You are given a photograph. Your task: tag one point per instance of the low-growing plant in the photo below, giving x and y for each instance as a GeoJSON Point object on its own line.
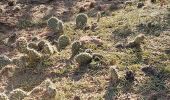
{"type": "Point", "coordinates": [83, 58]}
{"type": "Point", "coordinates": [55, 24]}
{"type": "Point", "coordinates": [63, 41]}
{"type": "Point", "coordinates": [76, 48]}
{"type": "Point", "coordinates": [81, 20]}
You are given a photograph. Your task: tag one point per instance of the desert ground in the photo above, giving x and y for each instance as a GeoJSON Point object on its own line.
{"type": "Point", "coordinates": [131, 37]}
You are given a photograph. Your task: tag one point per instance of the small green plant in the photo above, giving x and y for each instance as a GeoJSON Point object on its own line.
{"type": "Point", "coordinates": [83, 58]}
{"type": "Point", "coordinates": [81, 20]}
{"type": "Point", "coordinates": [21, 44]}
{"type": "Point", "coordinates": [55, 24]}
{"type": "Point", "coordinates": [63, 41]}
{"type": "Point", "coordinates": [76, 48]}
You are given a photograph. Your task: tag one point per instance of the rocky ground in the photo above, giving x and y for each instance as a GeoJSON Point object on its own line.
{"type": "Point", "coordinates": [143, 73]}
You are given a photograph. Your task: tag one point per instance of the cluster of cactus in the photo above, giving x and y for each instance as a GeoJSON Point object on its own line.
{"type": "Point", "coordinates": [81, 20]}
{"type": "Point", "coordinates": [63, 41]}
{"type": "Point", "coordinates": [4, 60]}
{"type": "Point", "coordinates": [17, 94]}
{"type": "Point", "coordinates": [83, 58]}
{"type": "Point", "coordinates": [56, 25]}
{"type": "Point", "coordinates": [46, 48]}
{"type": "Point", "coordinates": [76, 48]}
{"type": "Point", "coordinates": [49, 90]}
{"type": "Point", "coordinates": [34, 51]}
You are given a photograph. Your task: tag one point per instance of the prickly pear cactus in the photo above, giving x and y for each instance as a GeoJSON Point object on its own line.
{"type": "Point", "coordinates": [81, 20]}
{"type": "Point", "coordinates": [76, 47]}
{"type": "Point", "coordinates": [83, 58]}
{"type": "Point", "coordinates": [33, 54]}
{"type": "Point", "coordinates": [60, 27]}
{"type": "Point", "coordinates": [21, 44]}
{"type": "Point", "coordinates": [21, 61]}
{"type": "Point", "coordinates": [48, 49]}
{"type": "Point", "coordinates": [4, 60]}
{"type": "Point", "coordinates": [63, 41]}
{"type": "Point", "coordinates": [17, 94]}
{"type": "Point", "coordinates": [137, 41]}
{"type": "Point", "coordinates": [55, 24]}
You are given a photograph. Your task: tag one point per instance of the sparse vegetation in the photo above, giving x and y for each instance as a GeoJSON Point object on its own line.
{"type": "Point", "coordinates": [104, 50]}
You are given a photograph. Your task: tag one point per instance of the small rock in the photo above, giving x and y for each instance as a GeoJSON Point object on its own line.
{"type": "Point", "coordinates": [91, 39]}
{"type": "Point", "coordinates": [140, 5]}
